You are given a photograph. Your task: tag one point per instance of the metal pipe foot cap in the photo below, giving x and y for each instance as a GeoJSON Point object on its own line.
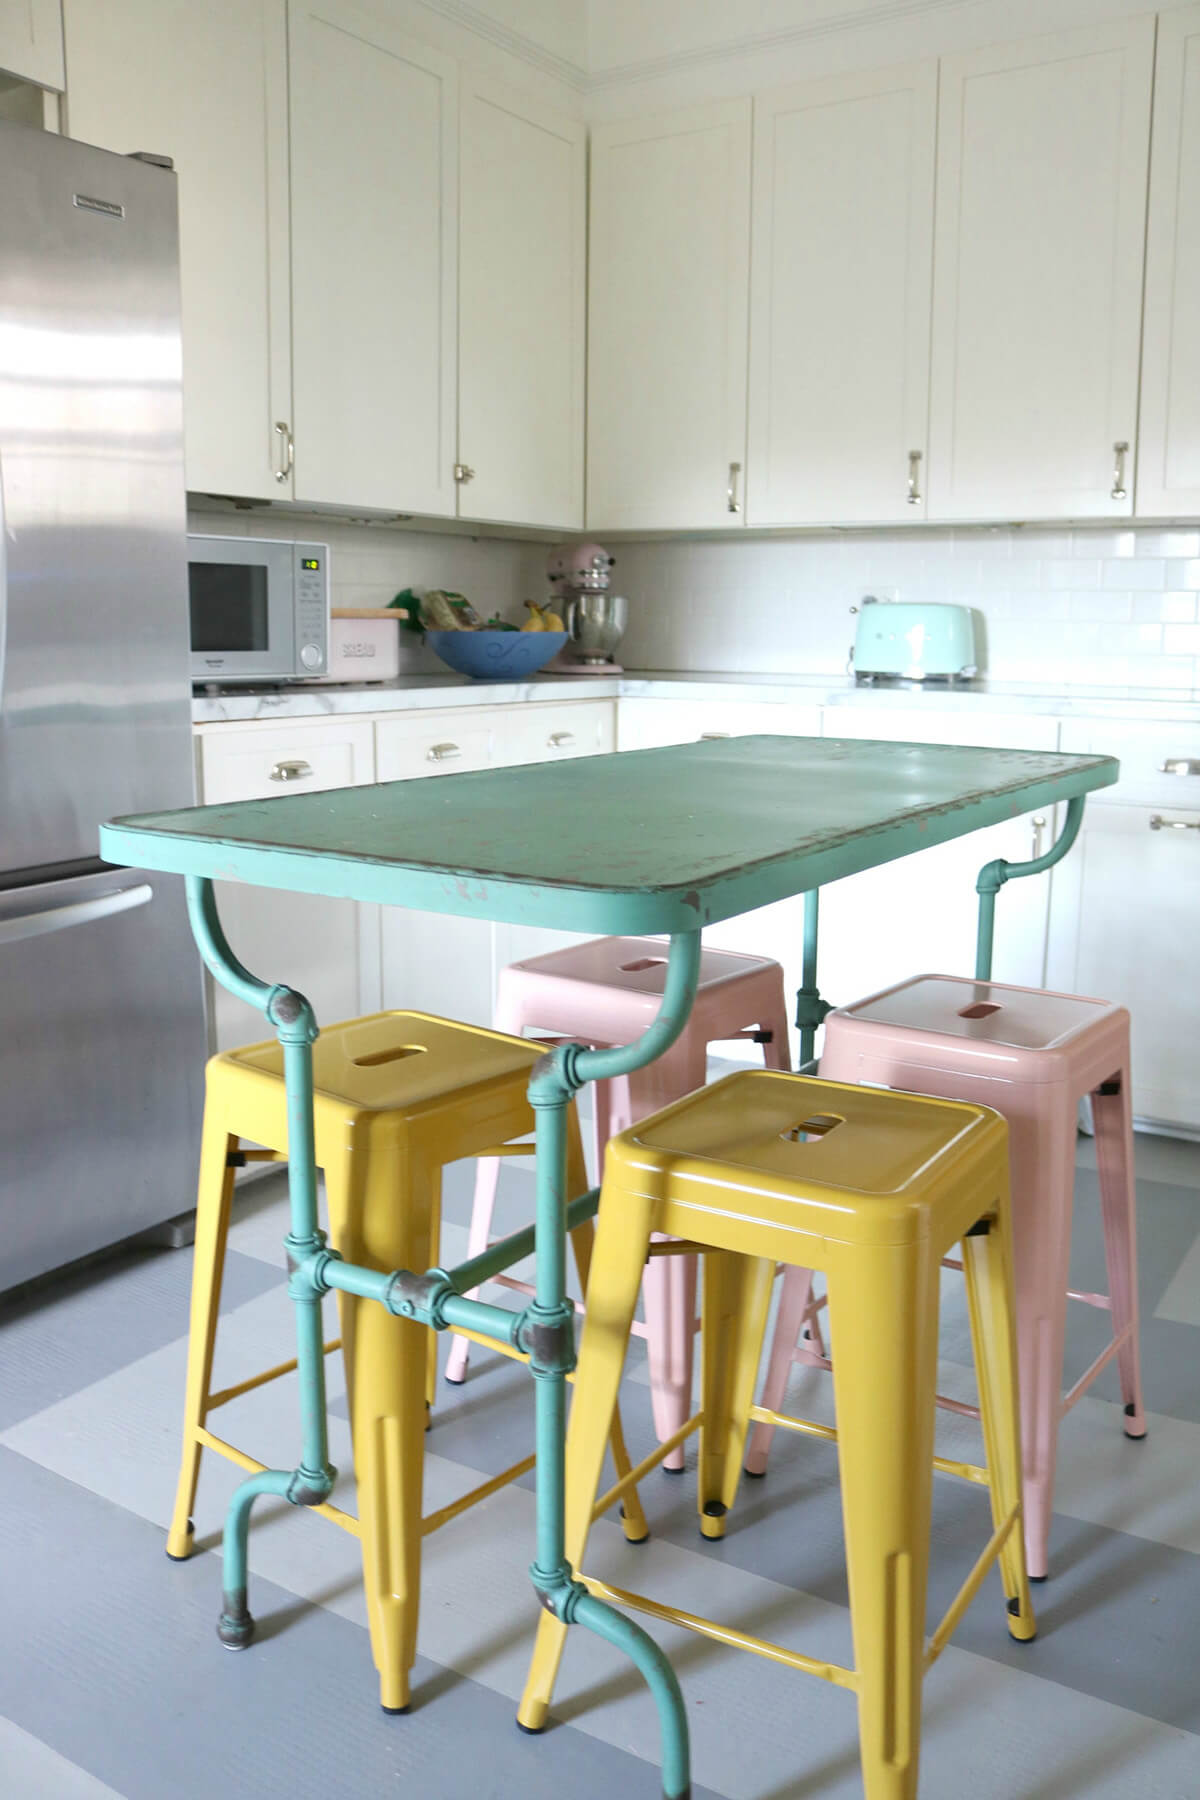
{"type": "Point", "coordinates": [235, 1627]}
{"type": "Point", "coordinates": [1022, 1630]}
{"type": "Point", "coordinates": [712, 1519]}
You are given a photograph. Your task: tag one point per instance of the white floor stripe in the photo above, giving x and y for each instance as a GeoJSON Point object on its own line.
{"type": "Point", "coordinates": [32, 1771]}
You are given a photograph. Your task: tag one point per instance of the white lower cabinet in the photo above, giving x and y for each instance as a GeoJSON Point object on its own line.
{"type": "Point", "coordinates": [329, 949]}
{"type": "Point", "coordinates": [918, 916]}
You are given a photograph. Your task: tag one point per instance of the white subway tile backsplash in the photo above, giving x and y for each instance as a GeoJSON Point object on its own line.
{"type": "Point", "coordinates": [1184, 574]}
{"type": "Point", "coordinates": [1072, 572]}
{"type": "Point", "coordinates": [1107, 606]}
{"type": "Point", "coordinates": [1181, 640]}
{"type": "Point", "coordinates": [1134, 572]}
{"type": "Point", "coordinates": [1167, 609]}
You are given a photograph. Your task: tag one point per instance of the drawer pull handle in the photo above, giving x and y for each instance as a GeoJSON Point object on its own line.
{"type": "Point", "coordinates": [732, 503]}
{"type": "Point", "coordinates": [558, 740]}
{"type": "Point", "coordinates": [914, 495]}
{"type": "Point", "coordinates": [298, 770]}
{"type": "Point", "coordinates": [1180, 765]}
{"type": "Point", "coordinates": [1158, 823]}
{"type": "Point", "coordinates": [1120, 452]}
{"type": "Point", "coordinates": [705, 736]}
{"type": "Point", "coordinates": [1039, 826]}
{"type": "Point", "coordinates": [443, 753]}
{"type": "Point", "coordinates": [286, 460]}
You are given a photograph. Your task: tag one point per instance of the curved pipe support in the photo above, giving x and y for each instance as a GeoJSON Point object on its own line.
{"type": "Point", "coordinates": [993, 876]}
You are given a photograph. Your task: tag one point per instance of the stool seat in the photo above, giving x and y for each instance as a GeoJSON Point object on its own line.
{"type": "Point", "coordinates": [608, 991]}
{"type": "Point", "coordinates": [397, 1096]}
{"type": "Point", "coordinates": [873, 1188]}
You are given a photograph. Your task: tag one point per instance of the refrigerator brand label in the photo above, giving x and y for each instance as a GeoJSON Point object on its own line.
{"type": "Point", "coordinates": [111, 208]}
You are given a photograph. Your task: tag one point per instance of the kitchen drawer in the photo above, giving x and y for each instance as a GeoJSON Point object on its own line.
{"type": "Point", "coordinates": [433, 744]}
{"type": "Point", "coordinates": [553, 733]}
{"type": "Point", "coordinates": [1142, 750]}
{"type": "Point", "coordinates": [259, 762]}
{"type": "Point", "coordinates": [649, 724]}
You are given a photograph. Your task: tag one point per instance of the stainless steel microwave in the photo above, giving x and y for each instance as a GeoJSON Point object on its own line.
{"type": "Point", "coordinates": [259, 609]}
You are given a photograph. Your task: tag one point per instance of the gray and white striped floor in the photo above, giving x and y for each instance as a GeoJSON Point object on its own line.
{"type": "Point", "coordinates": [112, 1682]}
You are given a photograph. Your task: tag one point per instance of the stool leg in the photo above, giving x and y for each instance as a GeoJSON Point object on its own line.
{"type": "Point", "coordinates": [1112, 1114]}
{"type": "Point", "coordinates": [487, 1177]}
{"type": "Point", "coordinates": [794, 1299]}
{"type": "Point", "coordinates": [737, 1296]}
{"type": "Point", "coordinates": [380, 1213]}
{"type": "Point", "coordinates": [777, 1054]}
{"type": "Point", "coordinates": [988, 1269]}
{"type": "Point", "coordinates": [215, 1196]}
{"type": "Point", "coordinates": [1043, 1180]}
{"type": "Point", "coordinates": [669, 1292]}
{"type": "Point", "coordinates": [619, 1255]}
{"type": "Point", "coordinates": [435, 1257]}
{"type": "Point", "coordinates": [883, 1320]}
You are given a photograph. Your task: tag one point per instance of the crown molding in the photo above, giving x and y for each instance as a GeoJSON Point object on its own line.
{"type": "Point", "coordinates": [883, 12]}
{"type": "Point", "coordinates": [526, 49]}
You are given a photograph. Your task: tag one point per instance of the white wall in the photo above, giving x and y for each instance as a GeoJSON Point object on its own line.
{"type": "Point", "coordinates": [1090, 607]}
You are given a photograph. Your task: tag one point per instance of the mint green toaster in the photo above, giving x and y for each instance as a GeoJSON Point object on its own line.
{"type": "Point", "coordinates": [914, 640]}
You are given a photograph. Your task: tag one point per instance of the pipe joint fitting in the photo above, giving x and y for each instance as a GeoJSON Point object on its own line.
{"type": "Point", "coordinates": [419, 1297]}
{"type": "Point", "coordinates": [292, 1016]}
{"type": "Point", "coordinates": [547, 1335]}
{"type": "Point", "coordinates": [992, 877]}
{"type": "Point", "coordinates": [311, 1487]}
{"type": "Point", "coordinates": [558, 1592]}
{"type": "Point", "coordinates": [555, 1079]}
{"type": "Point", "coordinates": [306, 1260]}
{"type": "Point", "coordinates": [811, 1010]}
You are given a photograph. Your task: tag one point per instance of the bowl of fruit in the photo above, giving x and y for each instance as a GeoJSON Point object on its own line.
{"type": "Point", "coordinates": [490, 649]}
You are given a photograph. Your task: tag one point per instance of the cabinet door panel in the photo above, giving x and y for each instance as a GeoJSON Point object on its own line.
{"type": "Point", "coordinates": [667, 318]}
{"type": "Point", "coordinates": [1123, 927]}
{"type": "Point", "coordinates": [1168, 477]}
{"type": "Point", "coordinates": [207, 86]}
{"type": "Point", "coordinates": [919, 915]}
{"type": "Point", "coordinates": [1041, 195]}
{"type": "Point", "coordinates": [374, 136]}
{"type": "Point", "coordinates": [840, 292]}
{"type": "Point", "coordinates": [522, 293]}
{"type": "Point", "coordinates": [31, 41]}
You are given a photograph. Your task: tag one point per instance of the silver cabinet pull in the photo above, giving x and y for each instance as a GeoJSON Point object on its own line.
{"type": "Point", "coordinates": [731, 492]}
{"type": "Point", "coordinates": [1158, 823]}
{"type": "Point", "coordinates": [914, 478]}
{"type": "Point", "coordinates": [463, 473]}
{"type": "Point", "coordinates": [705, 735]}
{"type": "Point", "coordinates": [558, 740]}
{"type": "Point", "coordinates": [1119, 490]}
{"type": "Point", "coordinates": [443, 753]}
{"type": "Point", "coordinates": [296, 770]}
{"type": "Point", "coordinates": [1039, 825]}
{"type": "Point", "coordinates": [286, 450]}
{"type": "Point", "coordinates": [1180, 765]}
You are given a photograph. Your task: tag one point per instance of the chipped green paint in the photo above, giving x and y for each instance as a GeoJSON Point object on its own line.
{"type": "Point", "coordinates": [646, 841]}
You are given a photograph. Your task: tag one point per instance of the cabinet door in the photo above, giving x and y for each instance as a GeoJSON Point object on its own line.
{"type": "Point", "coordinates": [207, 86]}
{"type": "Point", "coordinates": [522, 293]}
{"type": "Point", "coordinates": [374, 137]}
{"type": "Point", "coordinates": [1041, 199]}
{"type": "Point", "coordinates": [919, 915]}
{"type": "Point", "coordinates": [433, 962]}
{"type": "Point", "coordinates": [31, 41]}
{"type": "Point", "coordinates": [1168, 476]}
{"type": "Point", "coordinates": [648, 724]}
{"type": "Point", "coordinates": [1123, 927]}
{"type": "Point", "coordinates": [329, 949]}
{"type": "Point", "coordinates": [840, 292]}
{"type": "Point", "coordinates": [667, 326]}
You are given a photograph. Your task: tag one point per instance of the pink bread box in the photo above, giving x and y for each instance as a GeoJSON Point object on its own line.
{"type": "Point", "coordinates": [364, 643]}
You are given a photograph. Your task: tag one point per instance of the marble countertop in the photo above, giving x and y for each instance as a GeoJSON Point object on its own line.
{"type": "Point", "coordinates": [417, 692]}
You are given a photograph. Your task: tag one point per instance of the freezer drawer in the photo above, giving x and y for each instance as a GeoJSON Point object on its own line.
{"type": "Point", "coordinates": [101, 1065]}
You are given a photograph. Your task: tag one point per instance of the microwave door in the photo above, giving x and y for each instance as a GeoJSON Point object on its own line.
{"type": "Point", "coordinates": [94, 702]}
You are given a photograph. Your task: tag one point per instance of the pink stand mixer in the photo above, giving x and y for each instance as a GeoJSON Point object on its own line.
{"type": "Point", "coordinates": [594, 617]}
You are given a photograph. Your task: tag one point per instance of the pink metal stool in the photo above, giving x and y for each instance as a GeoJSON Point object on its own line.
{"type": "Point", "coordinates": [606, 992]}
{"type": "Point", "coordinates": [1031, 1055]}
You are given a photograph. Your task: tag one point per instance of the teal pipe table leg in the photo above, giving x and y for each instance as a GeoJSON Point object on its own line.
{"type": "Point", "coordinates": [810, 1008]}
{"type": "Point", "coordinates": [993, 876]}
{"type": "Point", "coordinates": [544, 1330]}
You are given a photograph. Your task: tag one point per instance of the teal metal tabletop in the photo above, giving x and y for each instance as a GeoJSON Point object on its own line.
{"type": "Point", "coordinates": [646, 841]}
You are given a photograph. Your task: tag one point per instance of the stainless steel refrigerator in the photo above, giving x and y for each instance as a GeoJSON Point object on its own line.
{"type": "Point", "coordinates": [101, 1010]}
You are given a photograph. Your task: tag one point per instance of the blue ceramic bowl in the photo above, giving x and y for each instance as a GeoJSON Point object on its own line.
{"type": "Point", "coordinates": [496, 655]}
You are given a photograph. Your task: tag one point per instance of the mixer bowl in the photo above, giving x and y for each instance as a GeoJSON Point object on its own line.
{"type": "Point", "coordinates": [595, 625]}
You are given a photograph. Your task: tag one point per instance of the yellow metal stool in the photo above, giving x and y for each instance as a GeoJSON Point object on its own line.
{"type": "Point", "coordinates": [397, 1097]}
{"type": "Point", "coordinates": [872, 1187]}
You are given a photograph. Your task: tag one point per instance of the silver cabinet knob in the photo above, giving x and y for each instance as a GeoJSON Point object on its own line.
{"type": "Point", "coordinates": [558, 740]}
{"type": "Point", "coordinates": [286, 450]}
{"type": "Point", "coordinates": [1158, 823]}
{"type": "Point", "coordinates": [1120, 452]}
{"type": "Point", "coordinates": [297, 770]}
{"type": "Point", "coordinates": [732, 502]}
{"type": "Point", "coordinates": [914, 478]}
{"type": "Point", "coordinates": [1180, 765]}
{"type": "Point", "coordinates": [462, 473]}
{"type": "Point", "coordinates": [1039, 825]}
{"type": "Point", "coordinates": [443, 753]}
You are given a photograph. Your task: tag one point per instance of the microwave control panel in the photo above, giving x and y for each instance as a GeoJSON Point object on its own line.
{"type": "Point", "coordinates": [312, 606]}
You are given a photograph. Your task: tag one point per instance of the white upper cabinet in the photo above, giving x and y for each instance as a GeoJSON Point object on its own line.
{"type": "Point", "coordinates": [667, 331]}
{"type": "Point", "coordinates": [1041, 195]}
{"type": "Point", "coordinates": [374, 140]}
{"type": "Point", "coordinates": [207, 86]}
{"type": "Point", "coordinates": [31, 41]}
{"type": "Point", "coordinates": [1168, 478]}
{"type": "Point", "coordinates": [840, 292]}
{"type": "Point", "coordinates": [521, 296]}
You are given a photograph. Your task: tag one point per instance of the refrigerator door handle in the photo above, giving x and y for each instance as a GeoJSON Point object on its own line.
{"type": "Point", "coordinates": [3, 582]}
{"type": "Point", "coordinates": [78, 912]}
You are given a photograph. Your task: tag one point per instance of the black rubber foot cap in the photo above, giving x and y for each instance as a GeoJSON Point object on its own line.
{"type": "Point", "coordinates": [754, 1474]}
{"type": "Point", "coordinates": [1039, 1579]}
{"type": "Point", "coordinates": [191, 1531]}
{"type": "Point", "coordinates": [173, 1558]}
{"type": "Point", "coordinates": [1135, 1437]}
{"type": "Point", "coordinates": [451, 1382]}
{"type": "Point", "coordinates": [395, 1711]}
{"type": "Point", "coordinates": [1022, 1641]}
{"type": "Point", "coordinates": [634, 1543]}
{"type": "Point", "coordinates": [667, 1471]}
{"type": "Point", "coordinates": [530, 1730]}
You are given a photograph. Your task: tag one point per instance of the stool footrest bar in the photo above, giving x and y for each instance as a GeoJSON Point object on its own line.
{"type": "Point", "coordinates": [232, 1454]}
{"type": "Point", "coordinates": [723, 1634]}
{"type": "Point", "coordinates": [945, 1465]}
{"type": "Point", "coordinates": [656, 1456]}
{"type": "Point", "coordinates": [434, 1521]}
{"type": "Point", "coordinates": [1089, 1374]}
{"type": "Point", "coordinates": [224, 1395]}
{"type": "Point", "coordinates": [970, 1587]}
